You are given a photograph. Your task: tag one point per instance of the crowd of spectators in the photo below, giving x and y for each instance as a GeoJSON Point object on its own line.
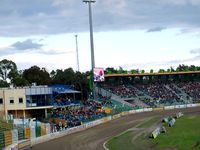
{"type": "Point", "coordinates": [124, 91]}
{"type": "Point", "coordinates": [74, 116]}
{"type": "Point", "coordinates": [64, 100]}
{"type": "Point", "coordinates": [158, 93]}
{"type": "Point", "coordinates": [105, 100]}
{"type": "Point", "coordinates": [192, 89]}
{"type": "Point", "coordinates": [174, 88]}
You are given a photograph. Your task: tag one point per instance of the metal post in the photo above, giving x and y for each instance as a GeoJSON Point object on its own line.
{"type": "Point", "coordinates": [91, 43]}
{"type": "Point", "coordinates": [77, 58]}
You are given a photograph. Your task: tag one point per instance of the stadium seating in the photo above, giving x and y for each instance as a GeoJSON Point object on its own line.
{"type": "Point", "coordinates": [158, 94]}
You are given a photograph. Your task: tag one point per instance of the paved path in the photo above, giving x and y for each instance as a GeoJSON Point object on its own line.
{"type": "Point", "coordinates": [93, 138]}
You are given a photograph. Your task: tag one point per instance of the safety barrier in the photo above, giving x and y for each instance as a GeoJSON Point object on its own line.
{"type": "Point", "coordinates": [148, 109]}
{"type": "Point", "coordinates": [116, 116]}
{"type": "Point", "coordinates": [24, 144]}
{"type": "Point", "coordinates": [132, 111]}
{"type": "Point", "coordinates": [158, 109]}
{"type": "Point", "coordinates": [124, 113]}
{"type": "Point", "coordinates": [139, 110]}
{"type": "Point", "coordinates": [168, 107]}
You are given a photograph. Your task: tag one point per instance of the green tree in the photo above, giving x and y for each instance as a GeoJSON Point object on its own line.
{"type": "Point", "coordinates": [168, 70]}
{"type": "Point", "coordinates": [182, 68]}
{"type": "Point", "coordinates": [4, 84]}
{"type": "Point", "coordinates": [122, 71]}
{"type": "Point", "coordinates": [161, 70]}
{"type": "Point", "coordinates": [17, 78]}
{"type": "Point", "coordinates": [37, 75]}
{"type": "Point", "coordinates": [7, 66]}
{"type": "Point", "coordinates": [135, 71]}
{"type": "Point", "coordinates": [110, 70]}
{"type": "Point", "coordinates": [172, 69]}
{"type": "Point", "coordinates": [143, 71]}
{"type": "Point", "coordinates": [63, 76]}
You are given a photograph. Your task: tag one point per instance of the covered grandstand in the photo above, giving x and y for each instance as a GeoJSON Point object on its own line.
{"type": "Point", "coordinates": [153, 89]}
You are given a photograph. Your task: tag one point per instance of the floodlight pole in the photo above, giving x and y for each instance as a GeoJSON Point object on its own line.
{"type": "Point", "coordinates": [77, 58]}
{"type": "Point", "coordinates": [91, 42]}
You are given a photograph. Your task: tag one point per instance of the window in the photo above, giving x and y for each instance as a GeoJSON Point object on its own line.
{"type": "Point", "coordinates": [20, 100]}
{"type": "Point", "coordinates": [1, 101]}
{"type": "Point", "coordinates": [11, 100]}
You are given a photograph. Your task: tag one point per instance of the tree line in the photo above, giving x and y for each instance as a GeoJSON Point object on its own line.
{"type": "Point", "coordinates": [10, 75]}
{"type": "Point", "coordinates": [180, 68]}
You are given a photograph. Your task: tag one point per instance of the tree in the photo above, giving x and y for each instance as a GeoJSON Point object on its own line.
{"type": "Point", "coordinates": [142, 71]}
{"type": "Point", "coordinates": [63, 77]}
{"type": "Point", "coordinates": [168, 70]}
{"type": "Point", "coordinates": [37, 75]}
{"type": "Point", "coordinates": [161, 70]}
{"type": "Point", "coordinates": [110, 70]}
{"type": "Point", "coordinates": [182, 68]}
{"type": "Point", "coordinates": [4, 84]}
{"type": "Point", "coordinates": [172, 69]}
{"type": "Point", "coordinates": [17, 78]}
{"type": "Point", "coordinates": [151, 71]}
{"type": "Point", "coordinates": [135, 71]}
{"type": "Point", "coordinates": [7, 66]}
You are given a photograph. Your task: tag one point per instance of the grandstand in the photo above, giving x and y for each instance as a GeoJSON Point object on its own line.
{"type": "Point", "coordinates": [152, 90]}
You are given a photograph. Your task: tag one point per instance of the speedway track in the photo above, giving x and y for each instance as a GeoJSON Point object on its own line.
{"type": "Point", "coordinates": [93, 138]}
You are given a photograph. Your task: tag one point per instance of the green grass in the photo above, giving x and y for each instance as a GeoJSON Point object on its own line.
{"type": "Point", "coordinates": [121, 142]}
{"type": "Point", "coordinates": [184, 135]}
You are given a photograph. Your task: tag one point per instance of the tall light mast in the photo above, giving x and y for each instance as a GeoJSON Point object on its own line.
{"type": "Point", "coordinates": [89, 2]}
{"type": "Point", "coordinates": [77, 58]}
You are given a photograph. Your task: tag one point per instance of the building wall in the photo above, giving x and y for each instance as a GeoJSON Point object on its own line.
{"type": "Point", "coordinates": [2, 113]}
{"type": "Point", "coordinates": [2, 105]}
{"type": "Point", "coordinates": [14, 94]}
{"type": "Point", "coordinates": [20, 110]}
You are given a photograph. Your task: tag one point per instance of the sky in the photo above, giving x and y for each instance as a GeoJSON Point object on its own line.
{"type": "Point", "coordinates": [132, 34]}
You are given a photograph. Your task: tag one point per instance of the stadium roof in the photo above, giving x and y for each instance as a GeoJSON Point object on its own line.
{"type": "Point", "coordinates": [62, 89]}
{"type": "Point", "coordinates": [152, 74]}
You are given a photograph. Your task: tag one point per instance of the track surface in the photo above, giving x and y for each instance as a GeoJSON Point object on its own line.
{"type": "Point", "coordinates": [93, 138]}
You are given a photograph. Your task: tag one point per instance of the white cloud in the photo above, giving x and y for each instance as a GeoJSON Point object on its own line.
{"type": "Point", "coordinates": [195, 51]}
{"type": "Point", "coordinates": [28, 46]}
{"type": "Point", "coordinates": [181, 2]}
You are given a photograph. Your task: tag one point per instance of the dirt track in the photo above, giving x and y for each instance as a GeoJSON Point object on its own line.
{"type": "Point", "coordinates": [93, 138]}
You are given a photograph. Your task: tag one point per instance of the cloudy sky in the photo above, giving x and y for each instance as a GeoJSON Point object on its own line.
{"type": "Point", "coordinates": [128, 33]}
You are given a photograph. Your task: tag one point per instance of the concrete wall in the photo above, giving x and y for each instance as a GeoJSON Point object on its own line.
{"type": "Point", "coordinates": [14, 94]}
{"type": "Point", "coordinates": [1, 105]}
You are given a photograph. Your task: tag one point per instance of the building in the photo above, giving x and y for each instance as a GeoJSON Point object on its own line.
{"type": "Point", "coordinates": [26, 102]}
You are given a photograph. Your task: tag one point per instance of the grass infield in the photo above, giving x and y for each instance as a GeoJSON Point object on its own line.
{"type": "Point", "coordinates": [184, 135]}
